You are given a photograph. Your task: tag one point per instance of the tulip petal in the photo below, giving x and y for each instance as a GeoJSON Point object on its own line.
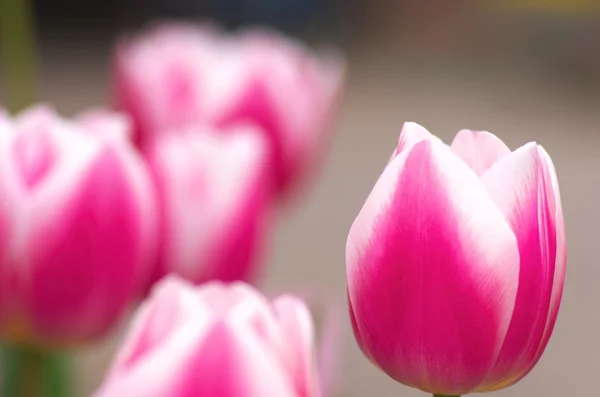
{"type": "Point", "coordinates": [479, 149]}
{"type": "Point", "coordinates": [431, 295]}
{"type": "Point", "coordinates": [523, 191]}
{"type": "Point", "coordinates": [411, 134]}
{"type": "Point", "coordinates": [554, 200]}
{"type": "Point", "coordinates": [150, 376]}
{"type": "Point", "coordinates": [173, 302]}
{"type": "Point", "coordinates": [296, 324]}
{"type": "Point", "coordinates": [85, 265]}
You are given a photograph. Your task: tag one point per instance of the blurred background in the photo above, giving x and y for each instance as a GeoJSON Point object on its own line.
{"type": "Point", "coordinates": [525, 70]}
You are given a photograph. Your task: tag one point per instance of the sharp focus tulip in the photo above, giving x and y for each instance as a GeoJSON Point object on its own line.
{"type": "Point", "coordinates": [456, 262]}
{"type": "Point", "coordinates": [214, 196]}
{"type": "Point", "coordinates": [215, 341]}
{"type": "Point", "coordinates": [76, 225]}
{"type": "Point", "coordinates": [177, 76]}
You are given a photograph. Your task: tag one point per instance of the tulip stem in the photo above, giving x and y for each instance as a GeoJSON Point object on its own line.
{"type": "Point", "coordinates": [33, 373]}
{"type": "Point", "coordinates": [442, 395]}
{"type": "Point", "coordinates": [17, 52]}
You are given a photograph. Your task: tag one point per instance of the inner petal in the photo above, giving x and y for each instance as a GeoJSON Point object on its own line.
{"type": "Point", "coordinates": [479, 149]}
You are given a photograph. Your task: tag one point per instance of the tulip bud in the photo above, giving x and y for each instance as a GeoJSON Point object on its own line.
{"type": "Point", "coordinates": [214, 194]}
{"type": "Point", "coordinates": [176, 76]}
{"type": "Point", "coordinates": [456, 262]}
{"type": "Point", "coordinates": [215, 341]}
{"type": "Point", "coordinates": [77, 226]}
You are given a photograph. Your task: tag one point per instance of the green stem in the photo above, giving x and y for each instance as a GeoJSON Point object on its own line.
{"type": "Point", "coordinates": [441, 395]}
{"type": "Point", "coordinates": [17, 52]}
{"type": "Point", "coordinates": [33, 373]}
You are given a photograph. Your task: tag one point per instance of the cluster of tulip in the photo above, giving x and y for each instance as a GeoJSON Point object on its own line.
{"type": "Point", "coordinates": [455, 264]}
{"type": "Point", "coordinates": [212, 132]}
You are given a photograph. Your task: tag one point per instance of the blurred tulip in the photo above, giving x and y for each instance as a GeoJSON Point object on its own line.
{"type": "Point", "coordinates": [456, 262]}
{"type": "Point", "coordinates": [215, 341]}
{"type": "Point", "coordinates": [77, 225]}
{"type": "Point", "coordinates": [214, 196]}
{"type": "Point", "coordinates": [178, 75]}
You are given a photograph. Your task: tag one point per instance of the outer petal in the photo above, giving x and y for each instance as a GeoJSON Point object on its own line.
{"type": "Point", "coordinates": [411, 134]}
{"type": "Point", "coordinates": [173, 303]}
{"type": "Point", "coordinates": [432, 271]}
{"type": "Point", "coordinates": [226, 183]}
{"type": "Point", "coordinates": [479, 149]}
{"type": "Point", "coordinates": [521, 185]}
{"type": "Point", "coordinates": [8, 205]}
{"type": "Point", "coordinates": [84, 262]}
{"type": "Point", "coordinates": [115, 129]}
{"type": "Point", "coordinates": [297, 327]}
{"type": "Point", "coordinates": [554, 201]}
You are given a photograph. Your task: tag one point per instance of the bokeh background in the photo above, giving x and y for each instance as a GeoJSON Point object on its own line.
{"type": "Point", "coordinates": [525, 70]}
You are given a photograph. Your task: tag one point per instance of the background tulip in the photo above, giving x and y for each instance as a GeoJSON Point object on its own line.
{"type": "Point", "coordinates": [176, 76]}
{"type": "Point", "coordinates": [215, 194]}
{"type": "Point", "coordinates": [456, 262]}
{"type": "Point", "coordinates": [77, 226]}
{"type": "Point", "coordinates": [215, 340]}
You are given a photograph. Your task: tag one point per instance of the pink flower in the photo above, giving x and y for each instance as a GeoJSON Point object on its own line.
{"type": "Point", "coordinates": [215, 341]}
{"type": "Point", "coordinates": [456, 262]}
{"type": "Point", "coordinates": [77, 225]}
{"type": "Point", "coordinates": [215, 195]}
{"type": "Point", "coordinates": [176, 76]}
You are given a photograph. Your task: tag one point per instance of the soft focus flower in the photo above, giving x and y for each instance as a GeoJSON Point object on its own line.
{"type": "Point", "coordinates": [178, 75]}
{"type": "Point", "coordinates": [215, 341]}
{"type": "Point", "coordinates": [456, 262]}
{"type": "Point", "coordinates": [215, 195]}
{"type": "Point", "coordinates": [77, 225]}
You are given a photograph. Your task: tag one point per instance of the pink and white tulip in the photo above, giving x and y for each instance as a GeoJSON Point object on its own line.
{"type": "Point", "coordinates": [215, 341]}
{"type": "Point", "coordinates": [215, 195]}
{"type": "Point", "coordinates": [178, 76]}
{"type": "Point", "coordinates": [77, 225]}
{"type": "Point", "coordinates": [456, 262]}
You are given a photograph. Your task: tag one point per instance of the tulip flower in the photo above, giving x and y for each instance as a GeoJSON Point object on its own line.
{"type": "Point", "coordinates": [176, 76]}
{"type": "Point", "coordinates": [215, 194]}
{"type": "Point", "coordinates": [456, 262]}
{"type": "Point", "coordinates": [77, 225]}
{"type": "Point", "coordinates": [215, 341]}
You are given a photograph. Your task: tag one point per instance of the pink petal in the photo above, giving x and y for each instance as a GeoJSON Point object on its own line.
{"type": "Point", "coordinates": [411, 134]}
{"type": "Point", "coordinates": [226, 183]}
{"type": "Point", "coordinates": [84, 257]}
{"type": "Point", "coordinates": [173, 302]}
{"type": "Point", "coordinates": [296, 324]}
{"type": "Point", "coordinates": [479, 149]}
{"type": "Point", "coordinates": [522, 189]}
{"type": "Point", "coordinates": [163, 371]}
{"type": "Point", "coordinates": [554, 201]}
{"type": "Point", "coordinates": [432, 272]}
